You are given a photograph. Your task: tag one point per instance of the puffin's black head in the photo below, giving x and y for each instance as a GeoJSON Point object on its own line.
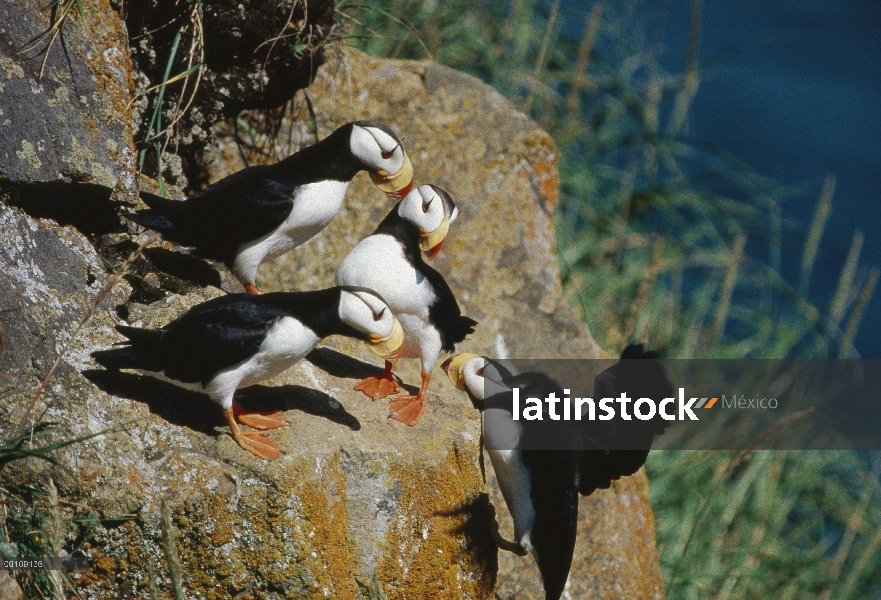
{"type": "Point", "coordinates": [431, 210]}
{"type": "Point", "coordinates": [381, 152]}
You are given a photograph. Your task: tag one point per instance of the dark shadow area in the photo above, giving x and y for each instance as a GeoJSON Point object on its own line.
{"type": "Point", "coordinates": [199, 413]}
{"type": "Point", "coordinates": [183, 266]}
{"type": "Point", "coordinates": [344, 366]}
{"type": "Point", "coordinates": [174, 404]}
{"type": "Point", "coordinates": [477, 516]}
{"type": "Point", "coordinates": [239, 54]}
{"type": "Point", "coordinates": [85, 206]}
{"type": "Point", "coordinates": [261, 398]}
{"type": "Point", "coordinates": [89, 209]}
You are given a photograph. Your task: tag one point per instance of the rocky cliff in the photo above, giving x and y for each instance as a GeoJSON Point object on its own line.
{"type": "Point", "coordinates": [356, 495]}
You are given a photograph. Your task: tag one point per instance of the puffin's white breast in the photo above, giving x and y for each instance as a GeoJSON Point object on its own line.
{"type": "Point", "coordinates": [378, 263]}
{"type": "Point", "coordinates": [287, 341]}
{"type": "Point", "coordinates": [315, 205]}
{"type": "Point", "coordinates": [516, 486]}
{"type": "Point", "coordinates": [502, 436]}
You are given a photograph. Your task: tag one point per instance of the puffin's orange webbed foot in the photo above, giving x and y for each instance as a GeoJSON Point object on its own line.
{"type": "Point", "coordinates": [259, 444]}
{"type": "Point", "coordinates": [259, 420]}
{"type": "Point", "coordinates": [407, 409]}
{"type": "Point", "coordinates": [378, 387]}
{"type": "Point", "coordinates": [252, 289]}
{"type": "Point", "coordinates": [252, 441]}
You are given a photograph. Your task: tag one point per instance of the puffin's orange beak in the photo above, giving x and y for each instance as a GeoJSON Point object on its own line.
{"type": "Point", "coordinates": [436, 250]}
{"type": "Point", "coordinates": [390, 347]}
{"type": "Point", "coordinates": [402, 193]}
{"type": "Point", "coordinates": [431, 243]}
{"type": "Point", "coordinates": [395, 186]}
{"type": "Point", "coordinates": [453, 368]}
{"type": "Point", "coordinates": [446, 364]}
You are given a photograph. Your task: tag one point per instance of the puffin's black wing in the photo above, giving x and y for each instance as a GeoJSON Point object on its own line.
{"type": "Point", "coordinates": [445, 313]}
{"type": "Point", "coordinates": [215, 335]}
{"type": "Point", "coordinates": [216, 222]}
{"type": "Point", "coordinates": [554, 491]}
{"type": "Point", "coordinates": [555, 499]}
{"type": "Point", "coordinates": [618, 448]}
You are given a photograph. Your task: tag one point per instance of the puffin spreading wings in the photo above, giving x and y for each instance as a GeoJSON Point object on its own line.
{"type": "Point", "coordinates": [541, 487]}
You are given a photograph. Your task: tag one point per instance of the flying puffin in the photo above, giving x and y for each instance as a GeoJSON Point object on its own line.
{"type": "Point", "coordinates": [264, 211]}
{"type": "Point", "coordinates": [389, 261]}
{"type": "Point", "coordinates": [541, 487]}
{"type": "Point", "coordinates": [239, 340]}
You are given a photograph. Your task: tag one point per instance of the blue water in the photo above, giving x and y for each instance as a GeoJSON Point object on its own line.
{"type": "Point", "coordinates": [800, 97]}
{"type": "Point", "coordinates": [795, 92]}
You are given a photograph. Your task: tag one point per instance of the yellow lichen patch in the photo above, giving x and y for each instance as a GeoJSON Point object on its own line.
{"type": "Point", "coordinates": [61, 97]}
{"type": "Point", "coordinates": [548, 180]}
{"type": "Point", "coordinates": [11, 68]}
{"type": "Point", "coordinates": [438, 544]}
{"type": "Point", "coordinates": [328, 551]}
{"type": "Point", "coordinates": [28, 154]}
{"type": "Point", "coordinates": [204, 526]}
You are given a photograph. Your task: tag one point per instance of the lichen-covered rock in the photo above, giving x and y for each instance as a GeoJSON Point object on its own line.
{"type": "Point", "coordinates": [70, 124]}
{"type": "Point", "coordinates": [356, 496]}
{"type": "Point", "coordinates": [499, 259]}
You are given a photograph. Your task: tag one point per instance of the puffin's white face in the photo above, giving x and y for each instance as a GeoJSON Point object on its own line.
{"type": "Point", "coordinates": [384, 158]}
{"type": "Point", "coordinates": [366, 312]}
{"type": "Point", "coordinates": [431, 210]}
{"type": "Point", "coordinates": [376, 149]}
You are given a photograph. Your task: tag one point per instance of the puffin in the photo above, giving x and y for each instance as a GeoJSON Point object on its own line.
{"type": "Point", "coordinates": [240, 340]}
{"type": "Point", "coordinates": [541, 486]}
{"type": "Point", "coordinates": [390, 262]}
{"type": "Point", "coordinates": [261, 212]}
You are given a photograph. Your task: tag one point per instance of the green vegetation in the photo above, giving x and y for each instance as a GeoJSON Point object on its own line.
{"type": "Point", "coordinates": [31, 522]}
{"type": "Point", "coordinates": [34, 520]}
{"type": "Point", "coordinates": [158, 137]}
{"type": "Point", "coordinates": [771, 524]}
{"type": "Point", "coordinates": [694, 240]}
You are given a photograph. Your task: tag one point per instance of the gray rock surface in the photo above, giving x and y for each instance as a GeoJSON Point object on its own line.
{"type": "Point", "coordinates": [9, 589]}
{"type": "Point", "coordinates": [70, 124]}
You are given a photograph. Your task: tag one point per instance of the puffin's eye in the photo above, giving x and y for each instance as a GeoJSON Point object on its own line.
{"type": "Point", "coordinates": [479, 372]}
{"type": "Point", "coordinates": [378, 316]}
{"type": "Point", "coordinates": [388, 153]}
{"type": "Point", "coordinates": [426, 205]}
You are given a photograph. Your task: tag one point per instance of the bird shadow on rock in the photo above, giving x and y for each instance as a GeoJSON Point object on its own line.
{"type": "Point", "coordinates": [198, 412]}
{"type": "Point", "coordinates": [186, 267]}
{"type": "Point", "coordinates": [174, 404]}
{"type": "Point", "coordinates": [260, 398]}
{"type": "Point", "coordinates": [90, 209]}
{"type": "Point", "coordinates": [477, 515]}
{"type": "Point", "coordinates": [344, 366]}
{"type": "Point", "coordinates": [87, 207]}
